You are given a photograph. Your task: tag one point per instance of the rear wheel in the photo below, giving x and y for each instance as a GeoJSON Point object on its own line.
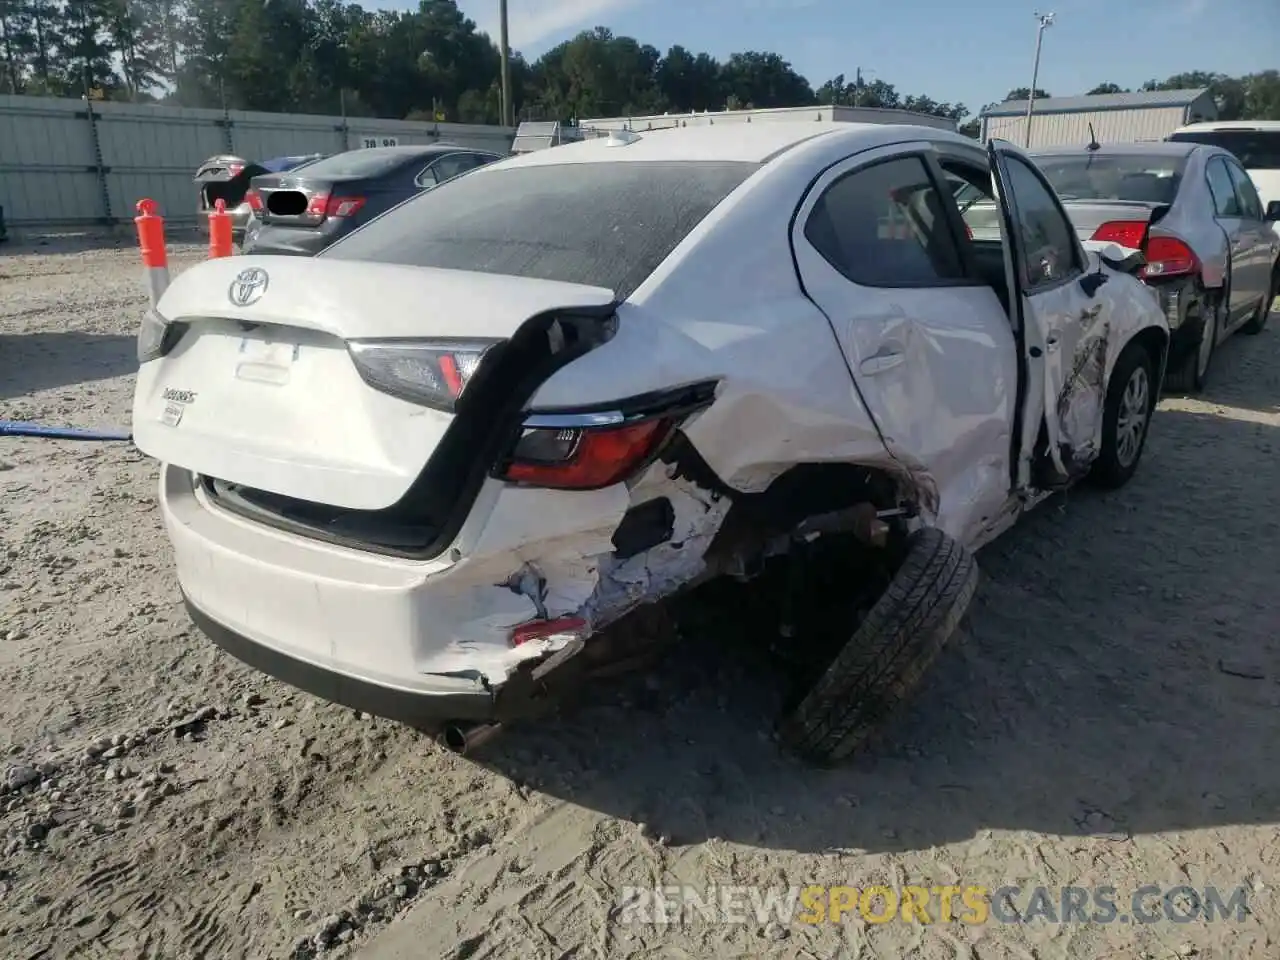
{"type": "Point", "coordinates": [1126, 416]}
{"type": "Point", "coordinates": [895, 642]}
{"type": "Point", "coordinates": [1193, 374]}
{"type": "Point", "coordinates": [1259, 319]}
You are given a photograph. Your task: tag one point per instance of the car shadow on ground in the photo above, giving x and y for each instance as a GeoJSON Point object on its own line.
{"type": "Point", "coordinates": [1119, 674]}
{"type": "Point", "coordinates": [30, 362]}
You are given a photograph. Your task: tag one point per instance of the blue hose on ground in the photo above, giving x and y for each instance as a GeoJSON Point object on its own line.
{"type": "Point", "coordinates": [22, 428]}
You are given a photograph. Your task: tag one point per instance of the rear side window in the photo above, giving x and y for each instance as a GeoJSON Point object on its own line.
{"type": "Point", "coordinates": [1246, 193]}
{"type": "Point", "coordinates": [448, 167]}
{"type": "Point", "coordinates": [607, 224]}
{"type": "Point", "coordinates": [360, 163]}
{"type": "Point", "coordinates": [1225, 203]}
{"type": "Point", "coordinates": [884, 226]}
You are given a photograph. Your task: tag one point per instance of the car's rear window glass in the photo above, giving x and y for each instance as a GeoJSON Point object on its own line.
{"type": "Point", "coordinates": [1129, 176]}
{"type": "Point", "coordinates": [603, 224]}
{"type": "Point", "coordinates": [1256, 149]}
{"type": "Point", "coordinates": [361, 163]}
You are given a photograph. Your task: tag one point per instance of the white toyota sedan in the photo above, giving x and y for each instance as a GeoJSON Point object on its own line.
{"type": "Point", "coordinates": [421, 473]}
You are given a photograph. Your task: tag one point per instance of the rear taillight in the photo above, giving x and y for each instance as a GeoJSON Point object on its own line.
{"type": "Point", "coordinates": [584, 458]}
{"type": "Point", "coordinates": [432, 373]}
{"type": "Point", "coordinates": [233, 169]}
{"type": "Point", "coordinates": [1166, 256]}
{"type": "Point", "coordinates": [254, 199]}
{"type": "Point", "coordinates": [1169, 257]}
{"type": "Point", "coordinates": [1127, 233]}
{"type": "Point", "coordinates": [324, 205]}
{"type": "Point", "coordinates": [344, 206]}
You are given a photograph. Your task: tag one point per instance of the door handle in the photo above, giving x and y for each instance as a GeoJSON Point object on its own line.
{"type": "Point", "coordinates": [881, 362]}
{"type": "Point", "coordinates": [1051, 343]}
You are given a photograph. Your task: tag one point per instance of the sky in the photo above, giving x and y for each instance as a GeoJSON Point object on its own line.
{"type": "Point", "coordinates": [972, 53]}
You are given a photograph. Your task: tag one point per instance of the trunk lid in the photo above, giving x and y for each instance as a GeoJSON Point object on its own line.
{"type": "Point", "coordinates": [294, 201]}
{"type": "Point", "coordinates": [1088, 215]}
{"type": "Point", "coordinates": [223, 178]}
{"type": "Point", "coordinates": [267, 395]}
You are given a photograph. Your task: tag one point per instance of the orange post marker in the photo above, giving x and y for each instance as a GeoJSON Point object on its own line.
{"type": "Point", "coordinates": [219, 231]}
{"type": "Point", "coordinates": [155, 259]}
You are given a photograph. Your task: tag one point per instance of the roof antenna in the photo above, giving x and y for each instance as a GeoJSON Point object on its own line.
{"type": "Point", "coordinates": [1093, 141]}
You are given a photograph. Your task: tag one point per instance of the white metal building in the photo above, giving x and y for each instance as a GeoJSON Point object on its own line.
{"type": "Point", "coordinates": [1116, 117]}
{"type": "Point", "coordinates": [790, 114]}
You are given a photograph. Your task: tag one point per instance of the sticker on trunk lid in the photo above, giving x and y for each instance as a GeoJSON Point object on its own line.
{"type": "Point", "coordinates": [175, 403]}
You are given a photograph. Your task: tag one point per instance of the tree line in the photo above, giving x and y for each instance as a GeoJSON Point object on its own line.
{"type": "Point", "coordinates": [330, 57]}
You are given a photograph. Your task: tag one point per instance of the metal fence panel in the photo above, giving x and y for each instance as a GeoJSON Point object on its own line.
{"type": "Point", "coordinates": [65, 164]}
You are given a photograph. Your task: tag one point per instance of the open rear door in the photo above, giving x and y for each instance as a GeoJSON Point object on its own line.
{"type": "Point", "coordinates": [1062, 325]}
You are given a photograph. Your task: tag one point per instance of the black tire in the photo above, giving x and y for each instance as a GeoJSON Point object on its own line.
{"type": "Point", "coordinates": [888, 653]}
{"type": "Point", "coordinates": [1192, 375]}
{"type": "Point", "coordinates": [1259, 320]}
{"type": "Point", "coordinates": [1114, 467]}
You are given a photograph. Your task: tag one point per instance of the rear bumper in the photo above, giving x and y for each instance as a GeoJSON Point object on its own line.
{"type": "Point", "coordinates": [417, 708]}
{"type": "Point", "coordinates": [239, 219]}
{"type": "Point", "coordinates": [408, 639]}
{"type": "Point", "coordinates": [420, 641]}
{"type": "Point", "coordinates": [290, 241]}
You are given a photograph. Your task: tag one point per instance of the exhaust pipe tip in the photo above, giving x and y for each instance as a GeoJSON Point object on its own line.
{"type": "Point", "coordinates": [454, 738]}
{"type": "Point", "coordinates": [461, 738]}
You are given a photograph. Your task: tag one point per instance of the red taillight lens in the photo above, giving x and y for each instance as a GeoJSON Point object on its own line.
{"type": "Point", "coordinates": [343, 206]}
{"type": "Point", "coordinates": [318, 205]}
{"type": "Point", "coordinates": [1127, 233]}
{"type": "Point", "coordinates": [254, 200]}
{"type": "Point", "coordinates": [234, 169]}
{"type": "Point", "coordinates": [584, 459]}
{"type": "Point", "coordinates": [1168, 257]}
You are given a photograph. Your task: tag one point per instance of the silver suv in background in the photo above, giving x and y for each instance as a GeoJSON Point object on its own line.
{"type": "Point", "coordinates": [1255, 143]}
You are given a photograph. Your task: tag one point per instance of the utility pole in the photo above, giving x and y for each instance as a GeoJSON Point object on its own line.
{"type": "Point", "coordinates": [508, 118]}
{"type": "Point", "coordinates": [857, 86]}
{"type": "Point", "coordinates": [1045, 21]}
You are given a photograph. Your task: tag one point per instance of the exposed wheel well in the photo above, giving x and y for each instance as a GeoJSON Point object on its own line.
{"type": "Point", "coordinates": [804, 490]}
{"type": "Point", "coordinates": [1156, 342]}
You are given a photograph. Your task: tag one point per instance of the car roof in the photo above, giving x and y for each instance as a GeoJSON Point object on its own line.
{"type": "Point", "coordinates": [1151, 148]}
{"type": "Point", "coordinates": [407, 150]}
{"type": "Point", "coordinates": [726, 142]}
{"type": "Point", "coordinates": [1241, 126]}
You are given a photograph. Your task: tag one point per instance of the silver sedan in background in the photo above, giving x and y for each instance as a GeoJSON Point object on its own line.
{"type": "Point", "coordinates": [1193, 211]}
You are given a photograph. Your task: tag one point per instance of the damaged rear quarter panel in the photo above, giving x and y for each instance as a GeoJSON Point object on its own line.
{"type": "Point", "coordinates": [1133, 308]}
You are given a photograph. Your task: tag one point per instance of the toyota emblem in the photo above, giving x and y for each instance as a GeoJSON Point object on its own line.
{"type": "Point", "coordinates": [248, 287]}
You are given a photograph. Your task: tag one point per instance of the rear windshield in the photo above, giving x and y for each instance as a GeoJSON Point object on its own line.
{"type": "Point", "coordinates": [361, 163]}
{"type": "Point", "coordinates": [603, 224]}
{"type": "Point", "coordinates": [1255, 149]}
{"type": "Point", "coordinates": [1100, 176]}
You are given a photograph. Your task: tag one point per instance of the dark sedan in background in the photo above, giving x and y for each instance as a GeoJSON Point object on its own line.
{"type": "Point", "coordinates": [301, 212]}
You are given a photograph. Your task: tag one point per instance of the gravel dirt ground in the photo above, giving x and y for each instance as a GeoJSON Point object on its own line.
{"type": "Point", "coordinates": [1107, 716]}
